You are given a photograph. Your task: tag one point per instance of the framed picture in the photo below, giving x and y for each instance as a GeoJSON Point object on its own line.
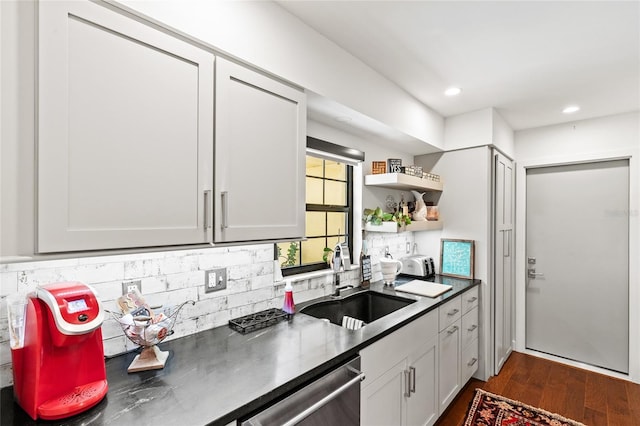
{"type": "Point", "coordinates": [378, 167]}
{"type": "Point", "coordinates": [394, 165]}
{"type": "Point", "coordinates": [456, 258]}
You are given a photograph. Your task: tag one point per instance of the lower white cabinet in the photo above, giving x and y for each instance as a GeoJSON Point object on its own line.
{"type": "Point", "coordinates": [402, 376]}
{"type": "Point", "coordinates": [413, 374]}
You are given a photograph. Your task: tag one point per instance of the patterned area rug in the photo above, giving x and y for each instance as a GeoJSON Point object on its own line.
{"type": "Point", "coordinates": [488, 409]}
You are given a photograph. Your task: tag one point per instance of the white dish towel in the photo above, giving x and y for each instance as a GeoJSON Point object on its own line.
{"type": "Point", "coordinates": [352, 323]}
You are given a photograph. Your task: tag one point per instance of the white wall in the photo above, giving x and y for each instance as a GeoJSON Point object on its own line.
{"type": "Point", "coordinates": [478, 128]}
{"type": "Point", "coordinates": [267, 36]}
{"type": "Point", "coordinates": [465, 208]}
{"type": "Point", "coordinates": [597, 139]}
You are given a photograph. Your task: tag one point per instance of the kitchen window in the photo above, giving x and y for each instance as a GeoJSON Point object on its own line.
{"type": "Point", "coordinates": [329, 208]}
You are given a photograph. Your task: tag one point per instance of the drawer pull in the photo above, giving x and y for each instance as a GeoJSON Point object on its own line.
{"type": "Point", "coordinates": [452, 313]}
{"type": "Point", "coordinates": [453, 329]}
{"type": "Point", "coordinates": [407, 383]}
{"type": "Point", "coordinates": [473, 299]}
{"type": "Point", "coordinates": [207, 196]}
{"type": "Point", "coordinates": [224, 195]}
{"type": "Point", "coordinates": [473, 361]}
{"type": "Point", "coordinates": [473, 327]}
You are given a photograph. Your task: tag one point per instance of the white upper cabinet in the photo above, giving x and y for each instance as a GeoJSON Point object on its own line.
{"type": "Point", "coordinates": [260, 145]}
{"type": "Point", "coordinates": [125, 133]}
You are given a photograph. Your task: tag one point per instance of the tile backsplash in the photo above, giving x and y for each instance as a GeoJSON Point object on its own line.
{"type": "Point", "coordinates": [172, 277]}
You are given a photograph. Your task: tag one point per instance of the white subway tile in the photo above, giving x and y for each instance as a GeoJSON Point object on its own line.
{"type": "Point", "coordinates": [5, 352]}
{"type": "Point", "coordinates": [141, 268]}
{"type": "Point", "coordinates": [115, 345]}
{"type": "Point", "coordinates": [8, 283]}
{"type": "Point", "coordinates": [6, 375]}
{"type": "Point", "coordinates": [261, 282]}
{"type": "Point", "coordinates": [250, 297]}
{"type": "Point", "coordinates": [153, 285]}
{"type": "Point", "coordinates": [192, 278]}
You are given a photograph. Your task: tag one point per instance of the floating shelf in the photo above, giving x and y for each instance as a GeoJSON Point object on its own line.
{"type": "Point", "coordinates": [427, 225]}
{"type": "Point", "coordinates": [402, 181]}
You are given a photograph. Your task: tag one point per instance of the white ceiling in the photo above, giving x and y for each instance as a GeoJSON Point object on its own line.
{"type": "Point", "coordinates": [528, 59]}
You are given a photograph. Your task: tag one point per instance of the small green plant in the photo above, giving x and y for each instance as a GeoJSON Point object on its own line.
{"type": "Point", "coordinates": [291, 259]}
{"type": "Point", "coordinates": [327, 254]}
{"type": "Point", "coordinates": [377, 216]}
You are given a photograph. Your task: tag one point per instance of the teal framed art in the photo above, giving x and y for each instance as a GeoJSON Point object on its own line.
{"type": "Point", "coordinates": [456, 258]}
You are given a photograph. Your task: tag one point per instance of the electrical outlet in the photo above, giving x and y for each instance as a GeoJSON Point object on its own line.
{"type": "Point", "coordinates": [215, 280]}
{"type": "Point", "coordinates": [408, 247]}
{"type": "Point", "coordinates": [128, 286]}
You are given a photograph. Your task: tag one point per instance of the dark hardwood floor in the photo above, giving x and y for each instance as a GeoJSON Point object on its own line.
{"type": "Point", "coordinates": [590, 398]}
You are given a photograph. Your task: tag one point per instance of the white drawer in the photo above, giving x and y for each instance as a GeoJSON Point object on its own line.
{"type": "Point", "coordinates": [469, 327]}
{"type": "Point", "coordinates": [470, 299]}
{"type": "Point", "coordinates": [469, 361]}
{"type": "Point", "coordinates": [450, 312]}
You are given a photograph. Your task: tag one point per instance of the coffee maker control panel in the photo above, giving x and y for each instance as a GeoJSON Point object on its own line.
{"type": "Point", "coordinates": [74, 306]}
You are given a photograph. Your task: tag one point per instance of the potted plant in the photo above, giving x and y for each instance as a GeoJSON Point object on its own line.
{"type": "Point", "coordinates": [377, 216]}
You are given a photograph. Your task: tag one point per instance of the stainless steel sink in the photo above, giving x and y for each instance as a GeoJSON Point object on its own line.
{"type": "Point", "coordinates": [367, 306]}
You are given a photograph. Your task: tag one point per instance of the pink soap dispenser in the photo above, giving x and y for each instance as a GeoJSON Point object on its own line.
{"type": "Point", "coordinates": [288, 306]}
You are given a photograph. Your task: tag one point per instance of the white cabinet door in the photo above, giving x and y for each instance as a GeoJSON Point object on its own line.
{"type": "Point", "coordinates": [422, 405]}
{"type": "Point", "coordinates": [469, 344]}
{"type": "Point", "coordinates": [449, 364]}
{"type": "Point", "coordinates": [259, 156]}
{"type": "Point", "coordinates": [382, 402]}
{"type": "Point", "coordinates": [503, 260]}
{"type": "Point", "coordinates": [125, 132]}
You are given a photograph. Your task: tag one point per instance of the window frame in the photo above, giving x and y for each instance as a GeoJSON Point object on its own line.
{"type": "Point", "coordinates": [328, 151]}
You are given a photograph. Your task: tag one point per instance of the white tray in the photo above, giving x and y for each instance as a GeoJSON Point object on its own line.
{"type": "Point", "coordinates": [424, 288]}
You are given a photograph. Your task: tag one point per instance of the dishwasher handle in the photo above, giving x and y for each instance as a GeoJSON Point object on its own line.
{"type": "Point", "coordinates": [324, 401]}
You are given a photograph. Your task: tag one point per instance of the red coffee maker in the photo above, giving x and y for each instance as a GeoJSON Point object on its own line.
{"type": "Point", "coordinates": [60, 370]}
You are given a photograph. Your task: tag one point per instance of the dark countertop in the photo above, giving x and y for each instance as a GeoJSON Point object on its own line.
{"type": "Point", "coordinates": [219, 375]}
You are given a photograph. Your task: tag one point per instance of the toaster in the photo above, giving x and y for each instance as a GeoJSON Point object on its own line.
{"type": "Point", "coordinates": [418, 266]}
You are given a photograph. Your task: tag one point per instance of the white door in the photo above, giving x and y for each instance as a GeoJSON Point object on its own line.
{"type": "Point", "coordinates": [577, 242]}
{"type": "Point", "coordinates": [259, 156]}
{"type": "Point", "coordinates": [503, 259]}
{"type": "Point", "coordinates": [449, 364]}
{"type": "Point", "coordinates": [125, 132]}
{"type": "Point", "coordinates": [382, 402]}
{"type": "Point", "coordinates": [422, 405]}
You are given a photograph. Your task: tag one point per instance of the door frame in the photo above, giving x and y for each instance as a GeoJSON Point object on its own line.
{"type": "Point", "coordinates": [633, 155]}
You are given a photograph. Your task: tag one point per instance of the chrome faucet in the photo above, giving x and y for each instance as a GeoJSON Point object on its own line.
{"type": "Point", "coordinates": [344, 287]}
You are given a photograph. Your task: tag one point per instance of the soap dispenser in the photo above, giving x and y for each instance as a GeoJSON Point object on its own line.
{"type": "Point", "coordinates": [288, 306]}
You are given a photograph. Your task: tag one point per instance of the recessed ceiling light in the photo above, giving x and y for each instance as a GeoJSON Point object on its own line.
{"type": "Point", "coordinates": [571, 109]}
{"type": "Point", "coordinates": [452, 91]}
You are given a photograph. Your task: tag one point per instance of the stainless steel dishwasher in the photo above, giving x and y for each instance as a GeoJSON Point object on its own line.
{"type": "Point", "coordinates": [333, 399]}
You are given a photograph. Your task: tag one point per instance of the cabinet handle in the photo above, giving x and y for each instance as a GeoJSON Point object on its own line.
{"type": "Point", "coordinates": [223, 201]}
{"type": "Point", "coordinates": [452, 313]}
{"type": "Point", "coordinates": [407, 384]}
{"type": "Point", "coordinates": [412, 370]}
{"type": "Point", "coordinates": [452, 329]}
{"type": "Point", "coordinates": [473, 361]}
{"type": "Point", "coordinates": [473, 299]}
{"type": "Point", "coordinates": [207, 195]}
{"type": "Point", "coordinates": [473, 327]}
